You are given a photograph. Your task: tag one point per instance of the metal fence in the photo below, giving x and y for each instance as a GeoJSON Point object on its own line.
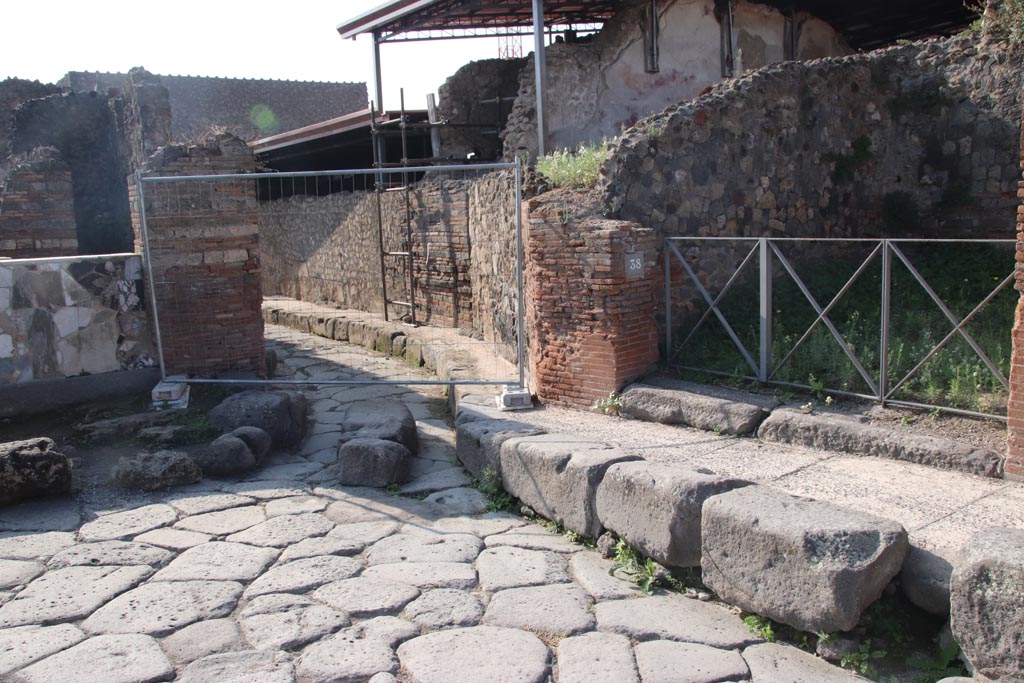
{"type": "Point", "coordinates": [765, 355]}
{"type": "Point", "coordinates": [407, 245]}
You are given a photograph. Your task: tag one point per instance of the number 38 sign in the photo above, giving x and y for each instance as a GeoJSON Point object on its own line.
{"type": "Point", "coordinates": [634, 265]}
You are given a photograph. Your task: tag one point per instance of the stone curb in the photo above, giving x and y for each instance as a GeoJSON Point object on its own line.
{"type": "Point", "coordinates": [708, 408]}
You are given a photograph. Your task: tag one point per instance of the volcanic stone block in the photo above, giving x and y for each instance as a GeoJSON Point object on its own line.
{"type": "Point", "coordinates": [152, 471]}
{"type": "Point", "coordinates": [710, 408]}
{"type": "Point", "coordinates": [282, 414]}
{"type": "Point", "coordinates": [372, 462]}
{"type": "Point", "coordinates": [226, 455]}
{"type": "Point", "coordinates": [32, 469]}
{"type": "Point", "coordinates": [478, 444]}
{"type": "Point", "coordinates": [807, 563]}
{"type": "Point", "coordinates": [987, 603]}
{"type": "Point", "coordinates": [380, 419]}
{"type": "Point", "coordinates": [657, 508]}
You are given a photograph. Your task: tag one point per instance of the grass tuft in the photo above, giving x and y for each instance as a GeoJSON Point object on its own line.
{"type": "Point", "coordinates": [577, 170]}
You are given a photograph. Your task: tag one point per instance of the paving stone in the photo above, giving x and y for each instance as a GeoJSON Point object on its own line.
{"type": "Point", "coordinates": [19, 572]}
{"type": "Point", "coordinates": [224, 522]}
{"type": "Point", "coordinates": [29, 546]}
{"type": "Point", "coordinates": [482, 526]}
{"type": "Point", "coordinates": [421, 467]}
{"type": "Point", "coordinates": [292, 471]}
{"type": "Point", "coordinates": [482, 654]}
{"type": "Point", "coordinates": [202, 639]}
{"type": "Point", "coordinates": [425, 574]}
{"type": "Point", "coordinates": [316, 547]}
{"type": "Point", "coordinates": [775, 663]}
{"type": "Point", "coordinates": [383, 678]}
{"type": "Point", "coordinates": [285, 622]}
{"type": "Point", "coordinates": [425, 548]}
{"type": "Point", "coordinates": [131, 658]}
{"type": "Point", "coordinates": [460, 501]}
{"type": "Point", "coordinates": [304, 575]}
{"type": "Point", "coordinates": [218, 561]}
{"type": "Point", "coordinates": [674, 618]}
{"type": "Point", "coordinates": [319, 442]}
{"type": "Point", "coordinates": [21, 646]}
{"type": "Point", "coordinates": [364, 532]}
{"type": "Point", "coordinates": [447, 478]}
{"type": "Point", "coordinates": [391, 630]}
{"type": "Point", "coordinates": [596, 658]}
{"type": "Point", "coordinates": [593, 573]}
{"type": "Point", "coordinates": [267, 490]}
{"type": "Point", "coordinates": [347, 657]}
{"type": "Point", "coordinates": [174, 539]}
{"type": "Point", "coordinates": [161, 607]}
{"type": "Point", "coordinates": [533, 537]}
{"type": "Point", "coordinates": [41, 515]}
{"type": "Point", "coordinates": [240, 667]}
{"type": "Point", "coordinates": [559, 609]}
{"type": "Point", "coordinates": [110, 553]}
{"type": "Point", "coordinates": [381, 507]}
{"type": "Point", "coordinates": [296, 505]}
{"type": "Point", "coordinates": [445, 608]}
{"type": "Point", "coordinates": [285, 530]}
{"type": "Point", "coordinates": [511, 567]}
{"type": "Point", "coordinates": [205, 501]}
{"type": "Point", "coordinates": [128, 523]}
{"type": "Point", "coordinates": [360, 597]}
{"type": "Point", "coordinates": [68, 594]}
{"type": "Point", "coordinates": [663, 661]}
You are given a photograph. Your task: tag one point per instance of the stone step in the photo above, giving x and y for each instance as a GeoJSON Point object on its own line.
{"type": "Point", "coordinates": [695, 405]}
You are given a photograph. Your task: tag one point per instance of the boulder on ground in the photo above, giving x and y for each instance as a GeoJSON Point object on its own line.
{"type": "Point", "coordinates": [380, 419]}
{"type": "Point", "coordinates": [282, 414]}
{"type": "Point", "coordinates": [152, 471]}
{"type": "Point", "coordinates": [807, 563]}
{"type": "Point", "coordinates": [987, 603]}
{"type": "Point", "coordinates": [925, 580]}
{"type": "Point", "coordinates": [225, 456]}
{"type": "Point", "coordinates": [656, 507]}
{"type": "Point", "coordinates": [256, 439]}
{"type": "Point", "coordinates": [33, 468]}
{"type": "Point", "coordinates": [711, 408]}
{"type": "Point", "coordinates": [372, 462]}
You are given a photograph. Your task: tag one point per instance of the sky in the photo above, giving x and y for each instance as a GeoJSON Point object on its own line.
{"type": "Point", "coordinates": [294, 40]}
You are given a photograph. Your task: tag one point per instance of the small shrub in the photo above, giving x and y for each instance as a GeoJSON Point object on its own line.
{"type": "Point", "coordinates": [611, 405]}
{"type": "Point", "coordinates": [497, 498]}
{"type": "Point", "coordinates": [762, 627]}
{"type": "Point", "coordinates": [1007, 24]}
{"type": "Point", "coordinates": [577, 169]}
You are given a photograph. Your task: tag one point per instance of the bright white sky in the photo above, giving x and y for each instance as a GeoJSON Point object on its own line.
{"type": "Point", "coordinates": [296, 40]}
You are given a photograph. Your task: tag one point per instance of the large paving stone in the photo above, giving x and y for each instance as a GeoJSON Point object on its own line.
{"type": "Point", "coordinates": [365, 532]}
{"type": "Point", "coordinates": [303, 575]}
{"type": "Point", "coordinates": [596, 658]}
{"type": "Point", "coordinates": [533, 537]}
{"type": "Point", "coordinates": [347, 657]}
{"type": "Point", "coordinates": [34, 546]}
{"type": "Point", "coordinates": [482, 654]}
{"type": "Point", "coordinates": [478, 443]}
{"type": "Point", "coordinates": [68, 594]}
{"type": "Point", "coordinates": [128, 523]}
{"type": "Point", "coordinates": [316, 547]}
{"type": "Point", "coordinates": [987, 603]}
{"type": "Point", "coordinates": [425, 548]}
{"type": "Point", "coordinates": [281, 531]}
{"type": "Point", "coordinates": [161, 607]}
{"type": "Point", "coordinates": [295, 505]}
{"type": "Point", "coordinates": [684, 403]}
{"type": "Point", "coordinates": [664, 661]}
{"type": "Point", "coordinates": [202, 639]}
{"type": "Point", "coordinates": [41, 515]}
{"type": "Point", "coordinates": [267, 489]}
{"type": "Point", "coordinates": [380, 419]}
{"type": "Point", "coordinates": [439, 480]}
{"type": "Point", "coordinates": [839, 433]}
{"type": "Point", "coordinates": [32, 469]}
{"type": "Point", "coordinates": [129, 658]}
{"type": "Point", "coordinates": [484, 525]}
{"type": "Point", "coordinates": [674, 618]}
{"type": "Point", "coordinates": [656, 507]}
{"type": "Point", "coordinates": [559, 609]}
{"type": "Point", "coordinates": [371, 462]}
{"type": "Point", "coordinates": [189, 502]}
{"type": "Point", "coordinates": [15, 573]}
{"type": "Point", "coordinates": [173, 539]}
{"type": "Point", "coordinates": [362, 597]}
{"type": "Point", "coordinates": [461, 501]}
{"type": "Point", "coordinates": [285, 622]}
{"type": "Point", "coordinates": [425, 574]}
{"type": "Point", "coordinates": [240, 667]}
{"type": "Point", "coordinates": [558, 475]}
{"type": "Point", "coordinates": [152, 471]}
{"type": "Point", "coordinates": [21, 646]}
{"type": "Point", "coordinates": [510, 567]}
{"type": "Point", "coordinates": [224, 522]}
{"type": "Point", "coordinates": [282, 414]}
{"type": "Point", "coordinates": [775, 663]}
{"type": "Point", "coordinates": [218, 561]}
{"type": "Point", "coordinates": [806, 563]}
{"type": "Point", "coordinates": [594, 574]}
{"type": "Point", "coordinates": [445, 608]}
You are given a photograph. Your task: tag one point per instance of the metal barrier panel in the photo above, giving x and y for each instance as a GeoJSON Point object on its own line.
{"type": "Point", "coordinates": [429, 254]}
{"type": "Point", "coordinates": [895, 357]}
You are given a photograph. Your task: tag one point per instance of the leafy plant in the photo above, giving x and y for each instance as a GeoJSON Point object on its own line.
{"type": "Point", "coordinates": [498, 500]}
{"type": "Point", "coordinates": [611, 405]}
{"type": "Point", "coordinates": [577, 169]}
{"type": "Point", "coordinates": [762, 627]}
{"type": "Point", "coordinates": [862, 661]}
{"type": "Point", "coordinates": [817, 387]}
{"type": "Point", "coordinates": [640, 570]}
{"type": "Point", "coordinates": [942, 664]}
{"type": "Point", "coordinates": [1006, 24]}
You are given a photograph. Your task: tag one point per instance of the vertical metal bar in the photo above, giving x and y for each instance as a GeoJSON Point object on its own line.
{"type": "Point", "coordinates": [141, 200]}
{"type": "Point", "coordinates": [378, 188]}
{"type": "Point", "coordinates": [408, 211]}
{"type": "Point", "coordinates": [539, 72]}
{"type": "Point", "coordinates": [520, 323]}
{"type": "Point", "coordinates": [435, 134]}
{"type": "Point", "coordinates": [764, 367]}
{"type": "Point", "coordinates": [668, 303]}
{"type": "Point", "coordinates": [377, 82]}
{"type": "Point", "coordinates": [883, 359]}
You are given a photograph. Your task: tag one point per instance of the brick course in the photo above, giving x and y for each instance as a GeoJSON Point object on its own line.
{"type": "Point", "coordinates": [37, 209]}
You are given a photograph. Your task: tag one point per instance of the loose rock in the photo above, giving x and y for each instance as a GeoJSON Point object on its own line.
{"type": "Point", "coordinates": [371, 462]}
{"type": "Point", "coordinates": [258, 441]}
{"type": "Point", "coordinates": [282, 414]}
{"type": "Point", "coordinates": [152, 471]}
{"type": "Point", "coordinates": [380, 419]}
{"type": "Point", "coordinates": [226, 455]}
{"type": "Point", "coordinates": [32, 469]}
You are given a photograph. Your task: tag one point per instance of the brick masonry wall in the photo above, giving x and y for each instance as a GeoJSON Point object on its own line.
{"type": "Point", "coordinates": [204, 252]}
{"type": "Point", "coordinates": [37, 208]}
{"type": "Point", "coordinates": [591, 325]}
{"type": "Point", "coordinates": [1014, 467]}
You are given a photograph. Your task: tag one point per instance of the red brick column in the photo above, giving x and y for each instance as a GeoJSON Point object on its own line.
{"type": "Point", "coordinates": [591, 323]}
{"type": "Point", "coordinates": [1014, 468]}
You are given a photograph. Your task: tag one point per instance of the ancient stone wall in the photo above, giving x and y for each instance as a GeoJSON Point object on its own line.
{"type": "Point", "coordinates": [13, 93]}
{"type": "Point", "coordinates": [205, 257]}
{"type": "Point", "coordinates": [590, 302]}
{"type": "Point", "coordinates": [1013, 468]}
{"type": "Point", "coordinates": [37, 209]}
{"type": "Point", "coordinates": [72, 316]}
{"type": "Point", "coordinates": [481, 94]}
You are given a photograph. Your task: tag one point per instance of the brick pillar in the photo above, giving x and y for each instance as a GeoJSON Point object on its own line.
{"type": "Point", "coordinates": [591, 322]}
{"type": "Point", "coordinates": [1014, 468]}
{"type": "Point", "coordinates": [37, 208]}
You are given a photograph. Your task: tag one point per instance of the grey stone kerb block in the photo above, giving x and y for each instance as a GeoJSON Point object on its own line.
{"type": "Point", "coordinates": [478, 443]}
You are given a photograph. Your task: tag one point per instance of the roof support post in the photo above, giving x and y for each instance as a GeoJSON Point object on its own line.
{"type": "Point", "coordinates": [540, 77]}
{"type": "Point", "coordinates": [377, 83]}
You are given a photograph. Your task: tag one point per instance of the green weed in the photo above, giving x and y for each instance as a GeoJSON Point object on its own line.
{"type": "Point", "coordinates": [863, 660]}
{"type": "Point", "coordinates": [762, 627]}
{"type": "Point", "coordinates": [497, 498]}
{"type": "Point", "coordinates": [577, 169]}
{"type": "Point", "coordinates": [611, 405]}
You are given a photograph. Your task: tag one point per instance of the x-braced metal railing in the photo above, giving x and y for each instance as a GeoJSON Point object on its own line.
{"type": "Point", "coordinates": [766, 252]}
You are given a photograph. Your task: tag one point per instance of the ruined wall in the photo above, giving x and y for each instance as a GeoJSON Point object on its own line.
{"type": "Point", "coordinates": [72, 316]}
{"type": "Point", "coordinates": [470, 96]}
{"type": "Point", "coordinates": [597, 88]}
{"type": "Point", "coordinates": [13, 93]}
{"type": "Point", "coordinates": [1013, 468]}
{"type": "Point", "coordinates": [205, 258]}
{"type": "Point", "coordinates": [37, 209]}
